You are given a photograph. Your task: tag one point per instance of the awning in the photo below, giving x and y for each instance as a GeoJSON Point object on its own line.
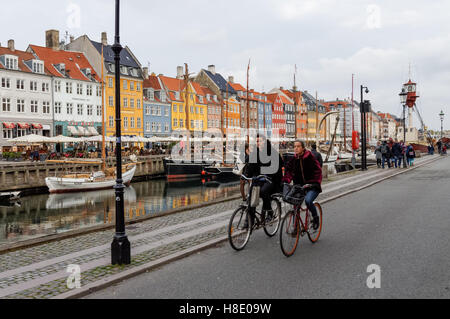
{"type": "Point", "coordinates": [92, 131]}
{"type": "Point", "coordinates": [82, 131]}
{"type": "Point", "coordinates": [73, 130]}
{"type": "Point", "coordinates": [23, 125]}
{"type": "Point", "coordinates": [9, 125]}
{"type": "Point", "coordinates": [37, 126]}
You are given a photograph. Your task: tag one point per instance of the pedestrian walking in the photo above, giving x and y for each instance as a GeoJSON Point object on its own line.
{"type": "Point", "coordinates": [410, 155]}
{"type": "Point", "coordinates": [378, 154]}
{"type": "Point", "coordinates": [397, 153]}
{"type": "Point", "coordinates": [386, 154]}
{"type": "Point", "coordinates": [317, 155]}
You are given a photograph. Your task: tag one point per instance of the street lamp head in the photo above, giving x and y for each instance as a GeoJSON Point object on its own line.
{"type": "Point", "coordinates": [367, 91]}
{"type": "Point", "coordinates": [441, 115]}
{"type": "Point", "coordinates": [403, 96]}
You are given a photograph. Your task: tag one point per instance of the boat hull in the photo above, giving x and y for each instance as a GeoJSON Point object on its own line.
{"type": "Point", "coordinates": [57, 185]}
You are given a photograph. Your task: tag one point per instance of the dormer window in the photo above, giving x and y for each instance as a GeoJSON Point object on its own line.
{"type": "Point", "coordinates": [11, 62]}
{"type": "Point", "coordinates": [177, 95]}
{"type": "Point", "coordinates": [151, 94]}
{"type": "Point", "coordinates": [123, 70]}
{"type": "Point", "coordinates": [215, 98]}
{"type": "Point", "coordinates": [38, 66]}
{"type": "Point", "coordinates": [208, 97]}
{"type": "Point", "coordinates": [201, 99]}
{"type": "Point", "coordinates": [163, 96]}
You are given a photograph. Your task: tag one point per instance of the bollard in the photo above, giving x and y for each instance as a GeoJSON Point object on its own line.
{"type": "Point", "coordinates": [325, 171]}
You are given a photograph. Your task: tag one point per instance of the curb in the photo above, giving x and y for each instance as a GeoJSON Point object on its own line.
{"type": "Point", "coordinates": [107, 282]}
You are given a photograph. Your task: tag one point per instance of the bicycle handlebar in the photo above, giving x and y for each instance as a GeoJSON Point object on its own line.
{"type": "Point", "coordinates": [268, 179]}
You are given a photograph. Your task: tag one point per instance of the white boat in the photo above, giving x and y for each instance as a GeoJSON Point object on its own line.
{"type": "Point", "coordinates": [87, 182]}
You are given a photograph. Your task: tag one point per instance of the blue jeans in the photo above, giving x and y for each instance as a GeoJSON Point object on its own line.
{"type": "Point", "coordinates": [387, 160]}
{"type": "Point", "coordinates": [310, 197]}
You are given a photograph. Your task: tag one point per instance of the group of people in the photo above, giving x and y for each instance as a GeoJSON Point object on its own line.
{"type": "Point", "coordinates": [442, 147]}
{"type": "Point", "coordinates": [394, 153]}
{"type": "Point", "coordinates": [304, 169]}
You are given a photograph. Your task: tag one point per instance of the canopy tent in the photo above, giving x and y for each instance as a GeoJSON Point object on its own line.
{"type": "Point", "coordinates": [30, 139]}
{"type": "Point", "coordinates": [64, 139]}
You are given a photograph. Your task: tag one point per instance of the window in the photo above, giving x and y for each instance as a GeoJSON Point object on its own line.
{"type": "Point", "coordinates": [166, 127]}
{"type": "Point", "coordinates": [131, 85]}
{"type": "Point", "coordinates": [125, 122]}
{"type": "Point", "coordinates": [138, 122]}
{"type": "Point", "coordinates": [20, 106]}
{"type": "Point", "coordinates": [175, 122]}
{"type": "Point", "coordinates": [163, 96]}
{"type": "Point", "coordinates": [90, 109]}
{"type": "Point", "coordinates": [166, 111]}
{"type": "Point", "coordinates": [99, 90]}
{"type": "Point", "coordinates": [79, 89]}
{"type": "Point", "coordinates": [132, 122]}
{"type": "Point", "coordinates": [196, 110]}
{"type": "Point", "coordinates": [57, 86]}
{"type": "Point", "coordinates": [68, 88]}
{"type": "Point", "coordinates": [181, 123]}
{"type": "Point", "coordinates": [125, 84]}
{"type": "Point", "coordinates": [151, 94]}
{"type": "Point", "coordinates": [138, 86]}
{"type": "Point", "coordinates": [181, 109]}
{"type": "Point", "coordinates": [89, 90]}
{"type": "Point", "coordinates": [69, 108]}
{"type": "Point", "coordinates": [57, 107]}
{"type": "Point", "coordinates": [125, 102]}
{"type": "Point", "coordinates": [110, 82]}
{"type": "Point", "coordinates": [159, 127]}
{"type": "Point", "coordinates": [192, 123]}
{"type": "Point", "coordinates": [6, 104]}
{"type": "Point", "coordinates": [201, 110]}
{"type": "Point", "coordinates": [111, 121]}
{"type": "Point", "coordinates": [99, 110]}
{"type": "Point", "coordinates": [153, 127]}
{"type": "Point", "coordinates": [111, 101]}
{"type": "Point", "coordinates": [6, 83]}
{"type": "Point", "coordinates": [11, 62]}
{"type": "Point", "coordinates": [192, 110]}
{"type": "Point", "coordinates": [45, 87]}
{"type": "Point", "coordinates": [46, 107]}
{"type": "Point", "coordinates": [38, 67]}
{"type": "Point", "coordinates": [138, 103]}
{"type": "Point", "coordinates": [147, 109]}
{"type": "Point", "coordinates": [158, 110]}
{"type": "Point", "coordinates": [147, 126]}
{"type": "Point", "coordinates": [80, 109]}
{"type": "Point", "coordinates": [175, 108]}
{"type": "Point", "coordinates": [131, 102]}
{"type": "Point", "coordinates": [34, 106]}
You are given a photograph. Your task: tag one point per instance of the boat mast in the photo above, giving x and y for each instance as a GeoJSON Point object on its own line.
{"type": "Point", "coordinates": [103, 121]}
{"type": "Point", "coordinates": [186, 82]}
{"type": "Point", "coordinates": [295, 102]}
{"type": "Point", "coordinates": [248, 108]}
{"type": "Point", "coordinates": [317, 113]}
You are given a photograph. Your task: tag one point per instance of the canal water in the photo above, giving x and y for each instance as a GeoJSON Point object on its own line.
{"type": "Point", "coordinates": [41, 215]}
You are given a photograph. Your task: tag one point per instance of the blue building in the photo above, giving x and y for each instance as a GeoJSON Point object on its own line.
{"type": "Point", "coordinates": [264, 110]}
{"type": "Point", "coordinates": [157, 109]}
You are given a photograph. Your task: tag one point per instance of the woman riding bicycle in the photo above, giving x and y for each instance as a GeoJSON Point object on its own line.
{"type": "Point", "coordinates": [304, 169]}
{"type": "Point", "coordinates": [268, 163]}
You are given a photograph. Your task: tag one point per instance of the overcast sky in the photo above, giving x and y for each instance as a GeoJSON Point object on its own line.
{"type": "Point", "coordinates": [328, 40]}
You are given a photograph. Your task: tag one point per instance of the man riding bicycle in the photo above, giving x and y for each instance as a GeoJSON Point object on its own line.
{"type": "Point", "coordinates": [305, 170]}
{"type": "Point", "coordinates": [268, 163]}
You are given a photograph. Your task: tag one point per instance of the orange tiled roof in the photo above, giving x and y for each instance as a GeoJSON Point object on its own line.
{"type": "Point", "coordinates": [22, 56]}
{"type": "Point", "coordinates": [237, 86]}
{"type": "Point", "coordinates": [152, 82]}
{"type": "Point", "coordinates": [74, 62]}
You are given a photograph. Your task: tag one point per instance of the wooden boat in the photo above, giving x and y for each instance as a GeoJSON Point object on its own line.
{"type": "Point", "coordinates": [88, 182]}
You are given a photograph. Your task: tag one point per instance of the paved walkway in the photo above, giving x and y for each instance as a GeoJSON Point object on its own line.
{"type": "Point", "coordinates": [41, 271]}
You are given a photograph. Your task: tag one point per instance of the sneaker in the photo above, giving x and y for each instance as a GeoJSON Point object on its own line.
{"type": "Point", "coordinates": [316, 223]}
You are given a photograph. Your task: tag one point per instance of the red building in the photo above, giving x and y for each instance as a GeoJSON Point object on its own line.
{"type": "Point", "coordinates": [278, 115]}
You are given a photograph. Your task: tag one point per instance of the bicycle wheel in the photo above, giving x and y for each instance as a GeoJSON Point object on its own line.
{"type": "Point", "coordinates": [313, 234]}
{"type": "Point", "coordinates": [289, 233]}
{"type": "Point", "coordinates": [238, 234]}
{"type": "Point", "coordinates": [272, 225]}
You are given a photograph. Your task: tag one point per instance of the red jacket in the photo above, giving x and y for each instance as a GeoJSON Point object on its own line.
{"type": "Point", "coordinates": [312, 172]}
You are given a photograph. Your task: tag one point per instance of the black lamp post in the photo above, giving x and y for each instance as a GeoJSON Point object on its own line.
{"type": "Point", "coordinates": [120, 247]}
{"type": "Point", "coordinates": [403, 98]}
{"type": "Point", "coordinates": [441, 115]}
{"type": "Point", "coordinates": [364, 110]}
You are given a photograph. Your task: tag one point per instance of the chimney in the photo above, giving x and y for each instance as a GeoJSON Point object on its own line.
{"type": "Point", "coordinates": [52, 39]}
{"type": "Point", "coordinates": [295, 88]}
{"type": "Point", "coordinates": [281, 88]}
{"type": "Point", "coordinates": [104, 38]}
{"type": "Point", "coordinates": [145, 73]}
{"type": "Point", "coordinates": [11, 45]}
{"type": "Point", "coordinates": [72, 38]}
{"type": "Point", "coordinates": [179, 72]}
{"type": "Point", "coordinates": [231, 79]}
{"type": "Point", "coordinates": [212, 69]}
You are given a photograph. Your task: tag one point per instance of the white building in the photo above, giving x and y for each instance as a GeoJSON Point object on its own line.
{"type": "Point", "coordinates": [25, 95]}
{"type": "Point", "coordinates": [76, 91]}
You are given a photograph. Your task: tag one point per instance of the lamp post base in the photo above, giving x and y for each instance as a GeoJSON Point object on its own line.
{"type": "Point", "coordinates": [120, 251]}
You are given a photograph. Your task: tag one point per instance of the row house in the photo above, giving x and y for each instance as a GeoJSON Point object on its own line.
{"type": "Point", "coordinates": [300, 109]}
{"type": "Point", "coordinates": [278, 115]}
{"type": "Point", "coordinates": [264, 114]}
{"type": "Point", "coordinates": [25, 95]}
{"type": "Point", "coordinates": [131, 83]}
{"type": "Point", "coordinates": [230, 102]}
{"type": "Point", "coordinates": [316, 111]}
{"type": "Point", "coordinates": [77, 96]}
{"type": "Point", "coordinates": [289, 111]}
{"type": "Point", "coordinates": [388, 126]}
{"type": "Point", "coordinates": [157, 107]}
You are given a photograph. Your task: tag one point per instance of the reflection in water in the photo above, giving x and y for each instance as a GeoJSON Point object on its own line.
{"type": "Point", "coordinates": [42, 215]}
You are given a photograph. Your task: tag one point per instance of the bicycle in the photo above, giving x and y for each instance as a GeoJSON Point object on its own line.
{"type": "Point", "coordinates": [293, 226]}
{"type": "Point", "coordinates": [241, 224]}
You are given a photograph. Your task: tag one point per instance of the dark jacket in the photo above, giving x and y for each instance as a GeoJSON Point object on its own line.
{"type": "Point", "coordinates": [318, 156]}
{"type": "Point", "coordinates": [396, 149]}
{"type": "Point", "coordinates": [254, 169]}
{"type": "Point", "coordinates": [312, 172]}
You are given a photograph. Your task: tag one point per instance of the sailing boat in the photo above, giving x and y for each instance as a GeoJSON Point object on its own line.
{"type": "Point", "coordinates": [82, 182]}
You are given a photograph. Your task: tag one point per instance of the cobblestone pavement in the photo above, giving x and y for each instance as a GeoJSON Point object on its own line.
{"type": "Point", "coordinates": [40, 271]}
